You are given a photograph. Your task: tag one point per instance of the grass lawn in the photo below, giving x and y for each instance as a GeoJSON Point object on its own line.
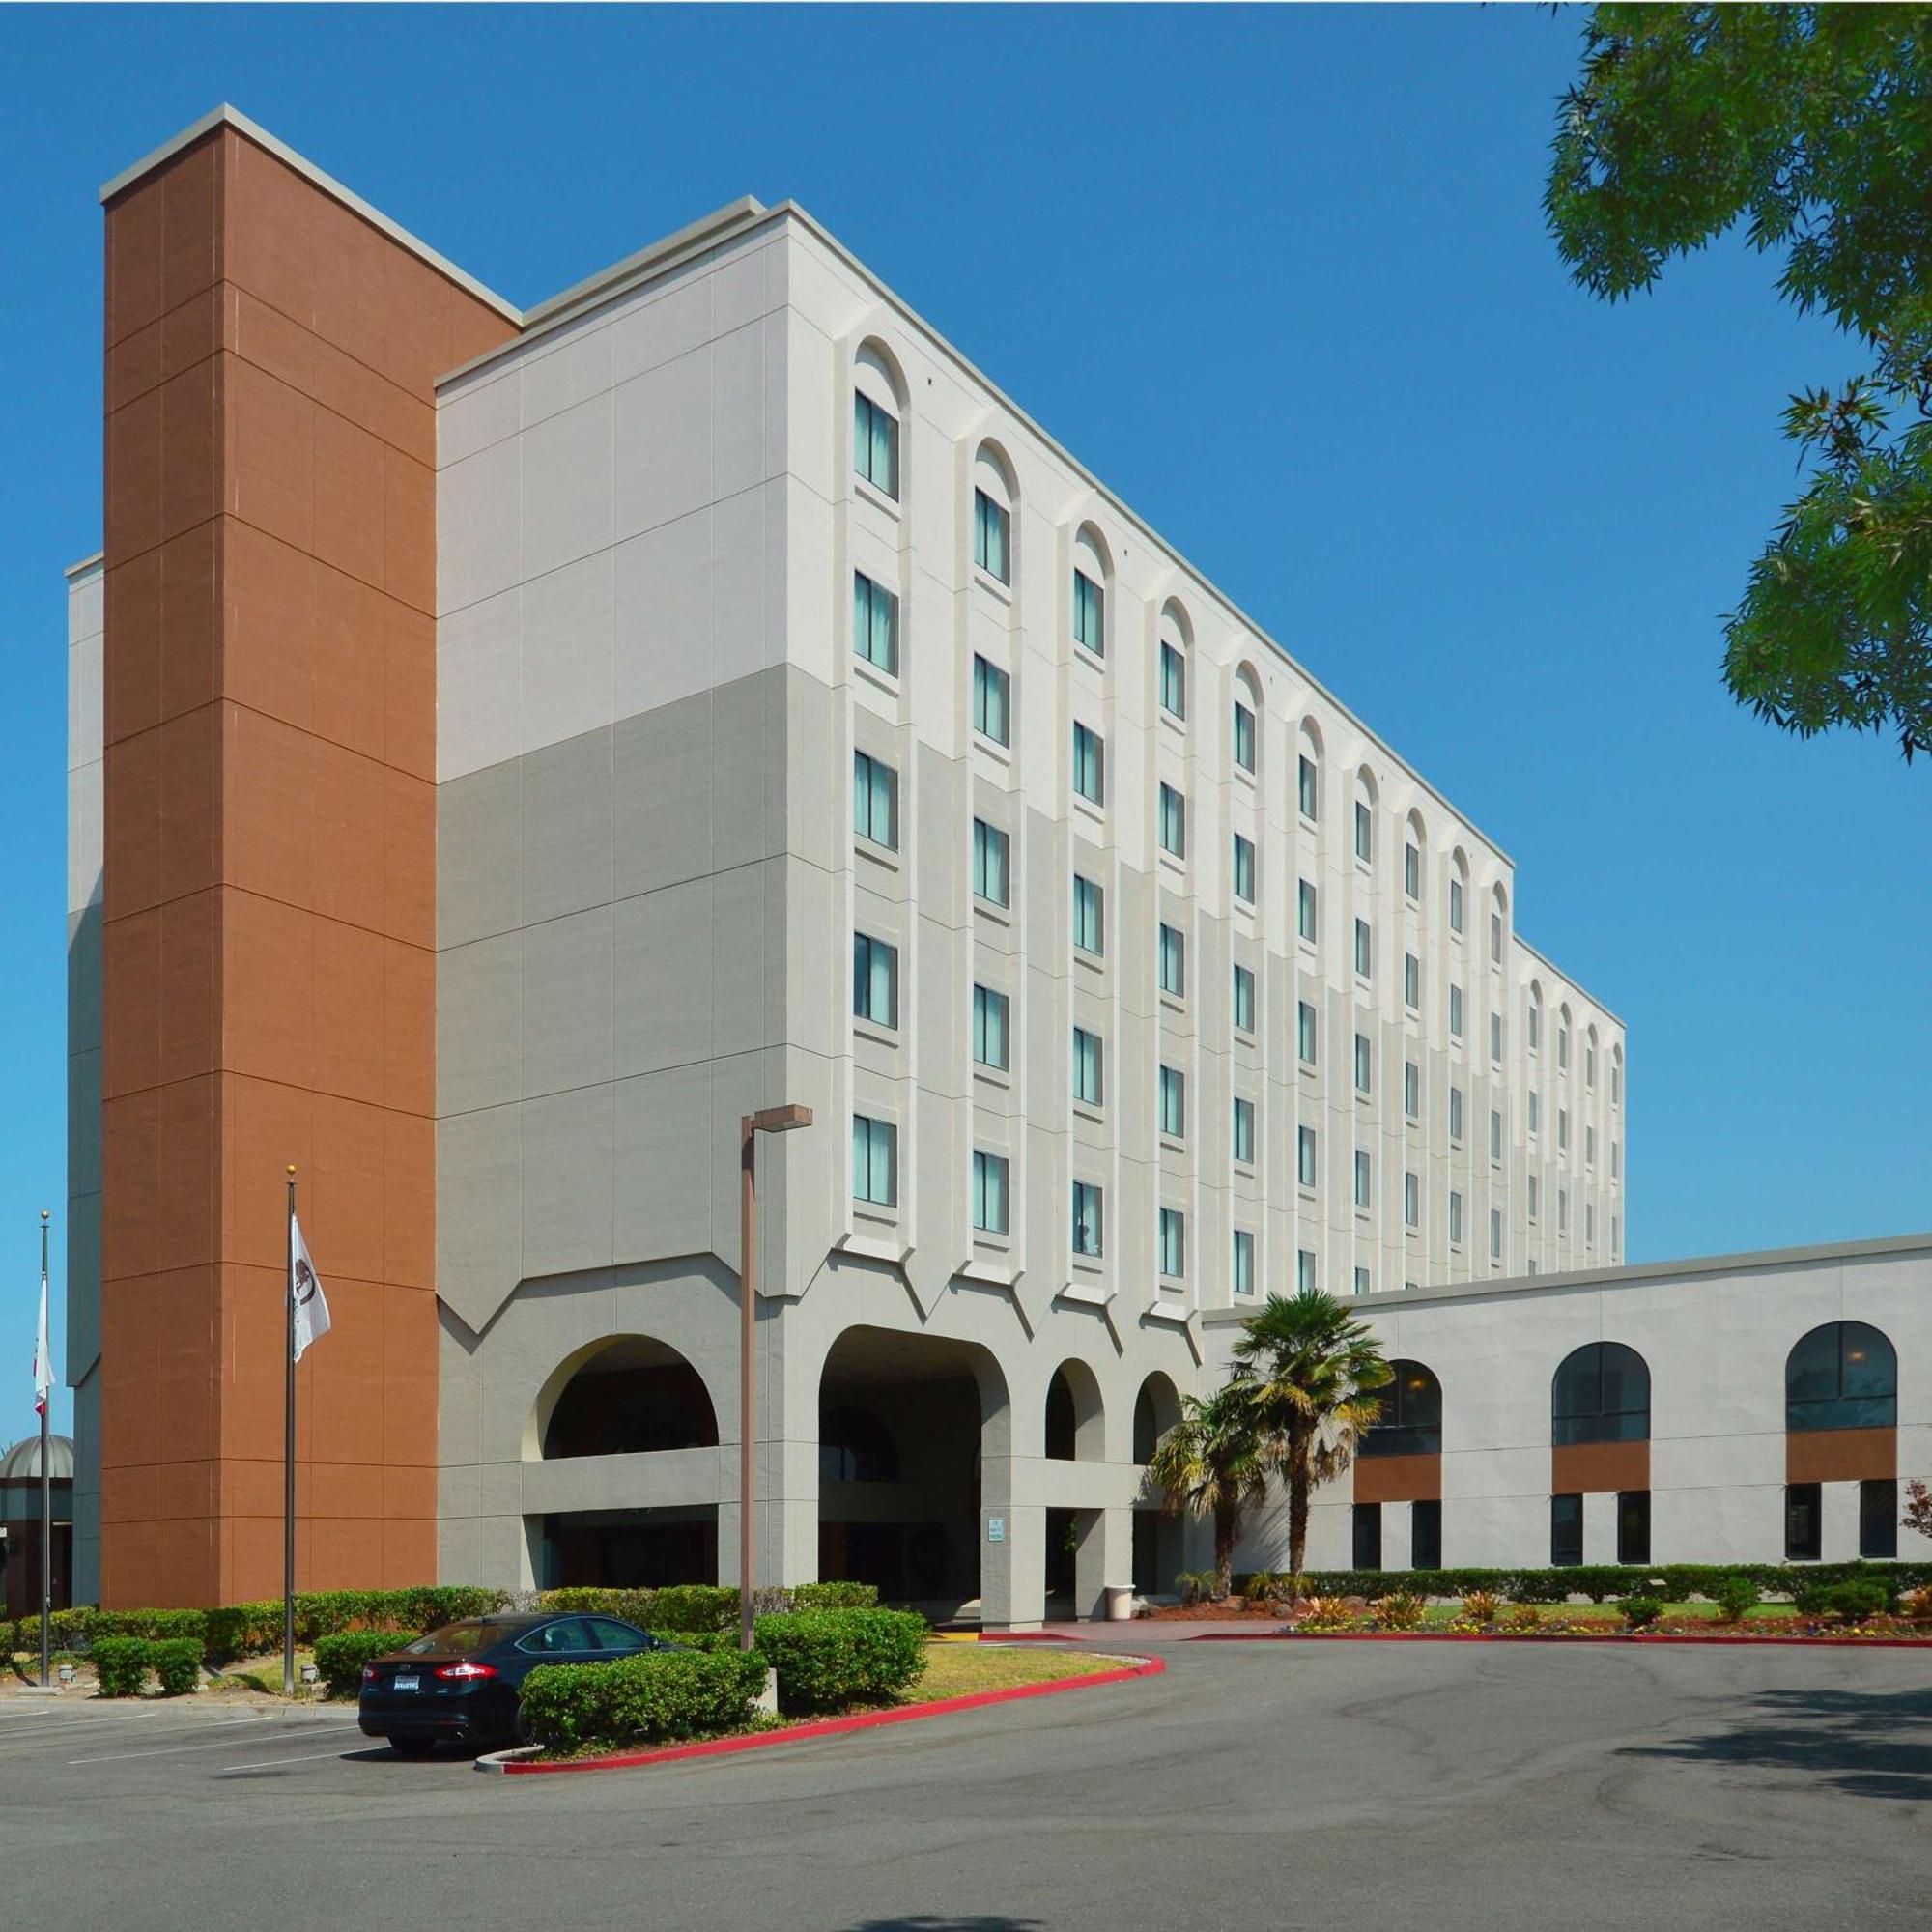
{"type": "Point", "coordinates": [959, 1669]}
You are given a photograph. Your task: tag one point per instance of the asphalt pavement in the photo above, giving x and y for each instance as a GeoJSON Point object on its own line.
{"type": "Point", "coordinates": [1278, 1786]}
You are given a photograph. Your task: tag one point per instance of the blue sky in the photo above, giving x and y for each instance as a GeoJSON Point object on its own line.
{"type": "Point", "coordinates": [1280, 278]}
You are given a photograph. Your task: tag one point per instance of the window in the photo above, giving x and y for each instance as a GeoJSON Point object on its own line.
{"type": "Point", "coordinates": [1496, 1038]}
{"type": "Point", "coordinates": [1566, 1530]}
{"type": "Point", "coordinates": [1456, 1115]}
{"type": "Point", "coordinates": [1172, 1102]}
{"type": "Point", "coordinates": [1304, 1031]}
{"type": "Point", "coordinates": [1601, 1393]}
{"type": "Point", "coordinates": [1590, 1144]}
{"type": "Point", "coordinates": [1367, 1549]}
{"type": "Point", "coordinates": [1173, 1242]}
{"type": "Point", "coordinates": [1803, 1522]}
{"type": "Point", "coordinates": [1244, 737]}
{"type": "Point", "coordinates": [1497, 940]}
{"type": "Point", "coordinates": [1412, 1090]}
{"type": "Point", "coordinates": [1878, 1518]}
{"type": "Point", "coordinates": [1534, 1191]}
{"type": "Point", "coordinates": [1633, 1526]}
{"type": "Point", "coordinates": [875, 800]}
{"type": "Point", "coordinates": [989, 1192]}
{"type": "Point", "coordinates": [1305, 911]}
{"type": "Point", "coordinates": [1244, 869]}
{"type": "Point", "coordinates": [992, 536]}
{"type": "Point", "coordinates": [875, 624]}
{"type": "Point", "coordinates": [1089, 758]}
{"type": "Point", "coordinates": [992, 701]}
{"type": "Point", "coordinates": [1616, 1083]}
{"type": "Point", "coordinates": [1244, 1000]}
{"type": "Point", "coordinates": [1364, 1064]}
{"type": "Point", "coordinates": [1365, 832]}
{"type": "Point", "coordinates": [1087, 1219]}
{"type": "Point", "coordinates": [1244, 1132]}
{"type": "Point", "coordinates": [1173, 822]}
{"type": "Point", "coordinates": [1244, 1262]}
{"type": "Point", "coordinates": [1304, 1156]}
{"type": "Point", "coordinates": [1089, 613]}
{"type": "Point", "coordinates": [1456, 905]}
{"type": "Point", "coordinates": [1455, 1013]}
{"type": "Point", "coordinates": [1361, 1281]}
{"type": "Point", "coordinates": [1425, 1535]}
{"type": "Point", "coordinates": [1496, 1233]}
{"type": "Point", "coordinates": [1411, 982]}
{"type": "Point", "coordinates": [992, 863]}
{"type": "Point", "coordinates": [1304, 1268]}
{"type": "Point", "coordinates": [1173, 961]}
{"type": "Point", "coordinates": [876, 1159]}
{"type": "Point", "coordinates": [1410, 1417]}
{"type": "Point", "coordinates": [1496, 1134]}
{"type": "Point", "coordinates": [1563, 1130]}
{"type": "Point", "coordinates": [1173, 681]}
{"type": "Point", "coordinates": [1617, 1158]}
{"type": "Point", "coordinates": [1364, 948]}
{"type": "Point", "coordinates": [992, 1013]}
{"type": "Point", "coordinates": [1411, 1199]}
{"type": "Point", "coordinates": [1307, 794]}
{"type": "Point", "coordinates": [1590, 1064]}
{"type": "Point", "coordinates": [1562, 1211]}
{"type": "Point", "coordinates": [1088, 1087]}
{"type": "Point", "coordinates": [876, 980]}
{"type": "Point", "coordinates": [1589, 1224]}
{"type": "Point", "coordinates": [876, 444]}
{"type": "Point", "coordinates": [1842, 1376]}
{"type": "Point", "coordinates": [1535, 1110]}
{"type": "Point", "coordinates": [1362, 1177]}
{"type": "Point", "coordinates": [1563, 1049]}
{"type": "Point", "coordinates": [1089, 922]}
{"type": "Point", "coordinates": [1535, 1026]}
{"type": "Point", "coordinates": [1412, 869]}
{"type": "Point", "coordinates": [1455, 1218]}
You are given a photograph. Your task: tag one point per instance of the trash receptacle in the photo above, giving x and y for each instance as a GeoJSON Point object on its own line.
{"type": "Point", "coordinates": [1120, 1602]}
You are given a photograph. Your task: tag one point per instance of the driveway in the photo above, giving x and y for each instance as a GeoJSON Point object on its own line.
{"type": "Point", "coordinates": [1251, 1786]}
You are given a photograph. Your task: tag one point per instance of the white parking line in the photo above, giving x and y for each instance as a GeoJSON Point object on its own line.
{"type": "Point", "coordinates": [268, 1763]}
{"type": "Point", "coordinates": [295, 1737]}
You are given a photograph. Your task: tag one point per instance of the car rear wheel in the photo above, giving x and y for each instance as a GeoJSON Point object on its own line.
{"type": "Point", "coordinates": [413, 1747]}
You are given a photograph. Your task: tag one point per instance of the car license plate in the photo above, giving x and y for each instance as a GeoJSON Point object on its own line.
{"type": "Point", "coordinates": [407, 1683]}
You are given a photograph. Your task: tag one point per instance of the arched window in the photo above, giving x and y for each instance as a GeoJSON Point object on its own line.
{"type": "Point", "coordinates": [1247, 721]}
{"type": "Point", "coordinates": [1156, 1409]}
{"type": "Point", "coordinates": [1535, 1016]}
{"type": "Point", "coordinates": [1092, 577]}
{"type": "Point", "coordinates": [1415, 845]}
{"type": "Point", "coordinates": [1073, 1418]}
{"type": "Point", "coordinates": [1308, 772]}
{"type": "Point", "coordinates": [854, 1446]}
{"type": "Point", "coordinates": [1365, 816]}
{"type": "Point", "coordinates": [1458, 892]}
{"type": "Point", "coordinates": [1498, 927]}
{"type": "Point", "coordinates": [1601, 1394]}
{"type": "Point", "coordinates": [878, 406]}
{"type": "Point", "coordinates": [1563, 1038]}
{"type": "Point", "coordinates": [626, 1396]}
{"type": "Point", "coordinates": [994, 495]}
{"type": "Point", "coordinates": [1842, 1376]}
{"type": "Point", "coordinates": [1177, 636]}
{"type": "Point", "coordinates": [1410, 1423]}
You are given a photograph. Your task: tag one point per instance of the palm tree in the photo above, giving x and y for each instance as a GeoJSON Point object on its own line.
{"type": "Point", "coordinates": [1214, 1462]}
{"type": "Point", "coordinates": [1309, 1365]}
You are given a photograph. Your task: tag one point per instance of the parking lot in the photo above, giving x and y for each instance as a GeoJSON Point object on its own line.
{"type": "Point", "coordinates": [1252, 1785]}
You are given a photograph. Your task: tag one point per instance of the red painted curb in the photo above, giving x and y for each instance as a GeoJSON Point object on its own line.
{"type": "Point", "coordinates": [1559, 1637]}
{"type": "Point", "coordinates": [865, 1720]}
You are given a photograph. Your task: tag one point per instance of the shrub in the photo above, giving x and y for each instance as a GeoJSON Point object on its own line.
{"type": "Point", "coordinates": [834, 1596]}
{"type": "Point", "coordinates": [1640, 1612]}
{"type": "Point", "coordinates": [339, 1657]}
{"type": "Point", "coordinates": [121, 1662]}
{"type": "Point", "coordinates": [1858, 1599]}
{"type": "Point", "coordinates": [1525, 1617]}
{"type": "Point", "coordinates": [1325, 1613]}
{"type": "Point", "coordinates": [1917, 1604]}
{"type": "Point", "coordinates": [827, 1657]}
{"type": "Point", "coordinates": [1400, 1610]}
{"type": "Point", "coordinates": [243, 1629]}
{"type": "Point", "coordinates": [1735, 1596]}
{"type": "Point", "coordinates": [694, 1606]}
{"type": "Point", "coordinates": [1263, 1587]}
{"type": "Point", "coordinates": [701, 1640]}
{"type": "Point", "coordinates": [1193, 1586]}
{"type": "Point", "coordinates": [1480, 1608]}
{"type": "Point", "coordinates": [176, 1662]}
{"type": "Point", "coordinates": [646, 1699]}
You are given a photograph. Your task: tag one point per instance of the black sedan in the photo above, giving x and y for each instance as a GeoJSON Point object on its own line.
{"type": "Point", "coordinates": [462, 1682]}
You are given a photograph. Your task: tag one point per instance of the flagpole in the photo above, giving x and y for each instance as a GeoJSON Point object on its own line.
{"type": "Point", "coordinates": [46, 1492]}
{"type": "Point", "coordinates": [288, 1449]}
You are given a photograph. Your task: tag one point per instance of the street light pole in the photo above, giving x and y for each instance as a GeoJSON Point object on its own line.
{"type": "Point", "coordinates": [771, 1120]}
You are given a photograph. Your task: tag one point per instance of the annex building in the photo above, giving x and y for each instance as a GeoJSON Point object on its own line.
{"type": "Point", "coordinates": [507, 746]}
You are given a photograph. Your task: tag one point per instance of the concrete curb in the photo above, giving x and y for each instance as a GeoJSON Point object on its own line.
{"type": "Point", "coordinates": [1553, 1638]}
{"type": "Point", "coordinates": [516, 1764]}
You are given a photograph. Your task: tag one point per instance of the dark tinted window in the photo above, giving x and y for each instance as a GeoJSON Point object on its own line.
{"type": "Point", "coordinates": [607, 1634]}
{"type": "Point", "coordinates": [1411, 1414]}
{"type": "Point", "coordinates": [1566, 1529]}
{"type": "Point", "coordinates": [1842, 1376]}
{"type": "Point", "coordinates": [1878, 1518]}
{"type": "Point", "coordinates": [1368, 1536]}
{"type": "Point", "coordinates": [567, 1636]}
{"type": "Point", "coordinates": [1425, 1536]}
{"type": "Point", "coordinates": [464, 1639]}
{"type": "Point", "coordinates": [1633, 1526]}
{"type": "Point", "coordinates": [1804, 1531]}
{"type": "Point", "coordinates": [1601, 1394]}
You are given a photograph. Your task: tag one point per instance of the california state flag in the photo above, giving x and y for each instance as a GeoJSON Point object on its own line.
{"type": "Point", "coordinates": [305, 1287]}
{"type": "Point", "coordinates": [43, 1360]}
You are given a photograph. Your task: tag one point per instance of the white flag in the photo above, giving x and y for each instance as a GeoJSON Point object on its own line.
{"type": "Point", "coordinates": [311, 1304]}
{"type": "Point", "coordinates": [44, 1359]}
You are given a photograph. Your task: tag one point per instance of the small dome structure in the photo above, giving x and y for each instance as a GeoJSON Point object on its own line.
{"type": "Point", "coordinates": [23, 1462]}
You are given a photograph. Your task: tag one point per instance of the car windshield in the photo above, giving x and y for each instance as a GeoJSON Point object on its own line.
{"type": "Point", "coordinates": [463, 1638]}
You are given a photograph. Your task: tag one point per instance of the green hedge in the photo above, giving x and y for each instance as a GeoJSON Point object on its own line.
{"type": "Point", "coordinates": [1672, 1583]}
{"type": "Point", "coordinates": [177, 1663]}
{"type": "Point", "coordinates": [640, 1700]}
{"type": "Point", "coordinates": [121, 1662]}
{"type": "Point", "coordinates": [828, 1657]}
{"type": "Point", "coordinates": [706, 1607]}
{"type": "Point", "coordinates": [339, 1657]}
